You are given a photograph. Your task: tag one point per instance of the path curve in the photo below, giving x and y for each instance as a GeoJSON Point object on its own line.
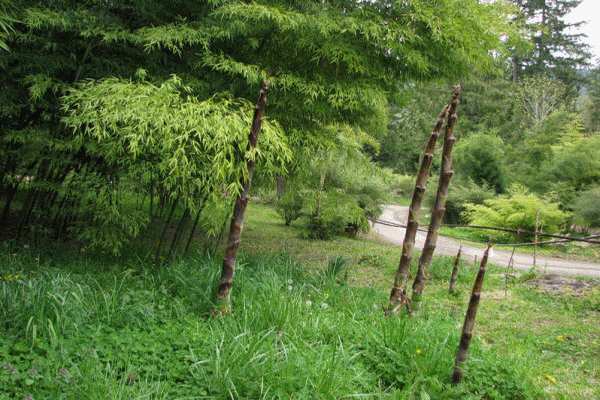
{"type": "Point", "coordinates": [449, 247]}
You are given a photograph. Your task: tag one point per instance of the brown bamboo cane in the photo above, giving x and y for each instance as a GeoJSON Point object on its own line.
{"type": "Point", "coordinates": [467, 332]}
{"type": "Point", "coordinates": [223, 302]}
{"type": "Point", "coordinates": [398, 293]}
{"type": "Point", "coordinates": [439, 207]}
{"type": "Point", "coordinates": [454, 272]}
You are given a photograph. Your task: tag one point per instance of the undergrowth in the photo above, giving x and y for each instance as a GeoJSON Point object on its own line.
{"type": "Point", "coordinates": [102, 328]}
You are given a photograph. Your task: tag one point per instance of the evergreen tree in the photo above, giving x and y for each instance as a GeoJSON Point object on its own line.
{"type": "Point", "coordinates": [555, 52]}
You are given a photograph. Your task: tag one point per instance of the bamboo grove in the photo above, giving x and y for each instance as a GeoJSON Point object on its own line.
{"type": "Point", "coordinates": [115, 113]}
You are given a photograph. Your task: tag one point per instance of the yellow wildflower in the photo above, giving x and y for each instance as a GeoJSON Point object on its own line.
{"type": "Point", "coordinates": [551, 379]}
{"type": "Point", "coordinates": [419, 351]}
{"type": "Point", "coordinates": [560, 338]}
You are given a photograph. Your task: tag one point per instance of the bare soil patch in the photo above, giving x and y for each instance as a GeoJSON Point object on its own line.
{"type": "Point", "coordinates": [552, 283]}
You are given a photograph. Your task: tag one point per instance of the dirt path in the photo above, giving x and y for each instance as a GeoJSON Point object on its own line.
{"type": "Point", "coordinates": [449, 247]}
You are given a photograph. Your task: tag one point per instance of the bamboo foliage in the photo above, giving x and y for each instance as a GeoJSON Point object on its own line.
{"type": "Point", "coordinates": [186, 148]}
{"type": "Point", "coordinates": [467, 332]}
{"type": "Point", "coordinates": [439, 206]}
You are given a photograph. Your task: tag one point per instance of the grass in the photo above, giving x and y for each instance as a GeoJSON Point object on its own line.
{"type": "Point", "coordinates": [306, 323]}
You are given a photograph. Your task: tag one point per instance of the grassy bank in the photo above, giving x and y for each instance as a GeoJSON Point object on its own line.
{"type": "Point", "coordinates": [306, 323]}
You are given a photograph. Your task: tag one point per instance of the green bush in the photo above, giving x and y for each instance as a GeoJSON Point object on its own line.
{"type": "Point", "coordinates": [587, 208]}
{"type": "Point", "coordinates": [517, 210]}
{"type": "Point", "coordinates": [462, 191]}
{"type": "Point", "coordinates": [334, 213]}
{"type": "Point", "coordinates": [481, 158]}
{"type": "Point", "coordinates": [289, 206]}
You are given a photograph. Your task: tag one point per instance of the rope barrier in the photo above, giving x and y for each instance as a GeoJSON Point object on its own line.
{"type": "Point", "coordinates": [589, 239]}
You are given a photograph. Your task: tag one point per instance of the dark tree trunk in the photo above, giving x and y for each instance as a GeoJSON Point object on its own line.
{"type": "Point", "coordinates": [280, 187]}
{"type": "Point", "coordinates": [439, 206]}
{"type": "Point", "coordinates": [467, 332]}
{"type": "Point", "coordinates": [165, 229]}
{"type": "Point", "coordinates": [237, 219]}
{"type": "Point", "coordinates": [11, 190]}
{"type": "Point", "coordinates": [179, 231]}
{"type": "Point", "coordinates": [193, 230]}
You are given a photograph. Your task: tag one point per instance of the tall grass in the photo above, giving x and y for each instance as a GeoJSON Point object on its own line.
{"type": "Point", "coordinates": [140, 331]}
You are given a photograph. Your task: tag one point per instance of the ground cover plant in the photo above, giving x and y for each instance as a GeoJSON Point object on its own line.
{"type": "Point", "coordinates": [91, 325]}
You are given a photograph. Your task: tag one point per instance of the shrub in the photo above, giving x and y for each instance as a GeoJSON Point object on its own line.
{"type": "Point", "coordinates": [460, 193]}
{"type": "Point", "coordinates": [289, 206]}
{"type": "Point", "coordinates": [517, 210]}
{"type": "Point", "coordinates": [481, 158]}
{"type": "Point", "coordinates": [587, 208]}
{"type": "Point", "coordinates": [334, 213]}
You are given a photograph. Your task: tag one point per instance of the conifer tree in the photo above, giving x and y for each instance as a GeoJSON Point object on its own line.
{"type": "Point", "coordinates": [556, 51]}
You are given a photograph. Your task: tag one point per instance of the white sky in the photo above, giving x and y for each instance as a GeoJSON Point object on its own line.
{"type": "Point", "coordinates": [588, 10]}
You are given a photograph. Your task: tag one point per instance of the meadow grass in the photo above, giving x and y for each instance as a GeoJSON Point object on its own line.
{"type": "Point", "coordinates": [306, 322]}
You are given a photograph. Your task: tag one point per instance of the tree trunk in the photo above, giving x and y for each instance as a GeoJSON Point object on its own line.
{"type": "Point", "coordinates": [454, 272]}
{"type": "Point", "coordinates": [179, 231]}
{"type": "Point", "coordinates": [223, 302]}
{"type": "Point", "coordinates": [280, 186]}
{"type": "Point", "coordinates": [439, 207]}
{"type": "Point", "coordinates": [165, 229]}
{"type": "Point", "coordinates": [398, 294]}
{"type": "Point", "coordinates": [467, 333]}
{"type": "Point", "coordinates": [193, 230]}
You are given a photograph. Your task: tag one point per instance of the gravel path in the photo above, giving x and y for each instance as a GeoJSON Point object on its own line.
{"type": "Point", "coordinates": [449, 247]}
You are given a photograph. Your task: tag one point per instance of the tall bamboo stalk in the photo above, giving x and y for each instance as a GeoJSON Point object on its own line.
{"type": "Point", "coordinates": [223, 302]}
{"type": "Point", "coordinates": [467, 332]}
{"type": "Point", "coordinates": [398, 293]}
{"type": "Point", "coordinates": [439, 207]}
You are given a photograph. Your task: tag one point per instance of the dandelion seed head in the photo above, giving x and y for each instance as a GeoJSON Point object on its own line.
{"type": "Point", "coordinates": [324, 305]}
{"type": "Point", "coordinates": [290, 281]}
{"type": "Point", "coordinates": [309, 303]}
{"type": "Point", "coordinates": [290, 288]}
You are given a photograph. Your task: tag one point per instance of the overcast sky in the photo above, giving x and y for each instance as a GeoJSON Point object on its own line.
{"type": "Point", "coordinates": [588, 10]}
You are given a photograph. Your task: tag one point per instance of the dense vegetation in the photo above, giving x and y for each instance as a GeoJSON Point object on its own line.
{"type": "Point", "coordinates": [124, 145]}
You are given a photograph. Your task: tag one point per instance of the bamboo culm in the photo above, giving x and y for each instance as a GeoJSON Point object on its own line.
{"type": "Point", "coordinates": [398, 293]}
{"type": "Point", "coordinates": [467, 332]}
{"type": "Point", "coordinates": [223, 302]}
{"type": "Point", "coordinates": [439, 207]}
{"type": "Point", "coordinates": [454, 275]}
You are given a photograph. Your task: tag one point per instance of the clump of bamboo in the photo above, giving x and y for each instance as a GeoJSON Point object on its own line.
{"type": "Point", "coordinates": [467, 332]}
{"type": "Point", "coordinates": [439, 207]}
{"type": "Point", "coordinates": [454, 272]}
{"type": "Point", "coordinates": [398, 293]}
{"type": "Point", "coordinates": [237, 219]}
